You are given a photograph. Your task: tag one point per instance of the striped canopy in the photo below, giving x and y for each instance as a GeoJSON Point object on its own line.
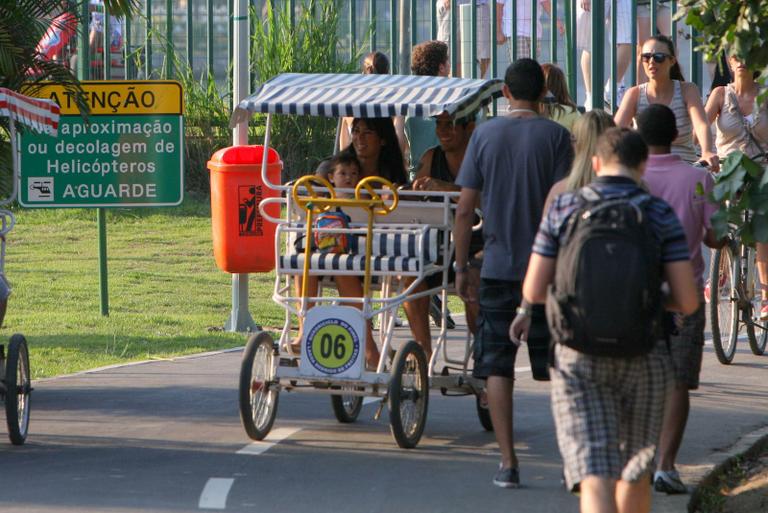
{"type": "Point", "coordinates": [41, 115]}
{"type": "Point", "coordinates": [373, 96]}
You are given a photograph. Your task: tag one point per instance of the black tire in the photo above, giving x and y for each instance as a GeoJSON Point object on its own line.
{"type": "Point", "coordinates": [346, 408]}
{"type": "Point", "coordinates": [259, 392]}
{"type": "Point", "coordinates": [484, 414]}
{"type": "Point", "coordinates": [408, 395]}
{"type": "Point", "coordinates": [18, 385]}
{"type": "Point", "coordinates": [757, 330]}
{"type": "Point", "coordinates": [723, 304]}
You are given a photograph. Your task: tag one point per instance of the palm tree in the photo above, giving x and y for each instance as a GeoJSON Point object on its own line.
{"type": "Point", "coordinates": [23, 23]}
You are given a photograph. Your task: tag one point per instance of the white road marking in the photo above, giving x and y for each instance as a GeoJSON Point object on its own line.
{"type": "Point", "coordinates": [371, 400]}
{"type": "Point", "coordinates": [273, 438]}
{"type": "Point", "coordinates": [214, 495]}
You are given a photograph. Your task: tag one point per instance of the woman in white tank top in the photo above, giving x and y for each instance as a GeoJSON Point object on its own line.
{"type": "Point", "coordinates": [741, 124]}
{"type": "Point", "coordinates": [666, 86]}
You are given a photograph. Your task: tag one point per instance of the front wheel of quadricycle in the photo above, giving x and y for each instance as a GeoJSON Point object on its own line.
{"type": "Point", "coordinates": [258, 390]}
{"type": "Point", "coordinates": [408, 395]}
{"type": "Point", "coordinates": [484, 414]}
{"type": "Point", "coordinates": [18, 387]}
{"type": "Point", "coordinates": [346, 408]}
{"type": "Point", "coordinates": [724, 274]}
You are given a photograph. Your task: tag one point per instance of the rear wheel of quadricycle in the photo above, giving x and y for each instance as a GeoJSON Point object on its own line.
{"type": "Point", "coordinates": [346, 407]}
{"type": "Point", "coordinates": [483, 413]}
{"type": "Point", "coordinates": [18, 384]}
{"type": "Point", "coordinates": [408, 395]}
{"type": "Point", "coordinates": [723, 303]}
{"type": "Point", "coordinates": [259, 391]}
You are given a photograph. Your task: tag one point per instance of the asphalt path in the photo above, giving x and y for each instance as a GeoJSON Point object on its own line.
{"type": "Point", "coordinates": [165, 436]}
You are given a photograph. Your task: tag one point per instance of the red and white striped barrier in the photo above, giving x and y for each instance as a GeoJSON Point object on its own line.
{"type": "Point", "coordinates": [38, 114]}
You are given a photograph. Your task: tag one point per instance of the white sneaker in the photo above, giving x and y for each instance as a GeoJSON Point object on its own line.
{"type": "Point", "coordinates": [668, 482]}
{"type": "Point", "coordinates": [588, 102]}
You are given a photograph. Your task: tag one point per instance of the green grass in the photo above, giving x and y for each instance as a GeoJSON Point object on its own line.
{"type": "Point", "coordinates": [166, 295]}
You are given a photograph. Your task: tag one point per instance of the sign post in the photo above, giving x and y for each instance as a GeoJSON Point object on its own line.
{"type": "Point", "coordinates": [128, 154]}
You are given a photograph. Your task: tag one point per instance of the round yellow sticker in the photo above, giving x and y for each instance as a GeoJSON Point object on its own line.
{"type": "Point", "coordinates": [333, 346]}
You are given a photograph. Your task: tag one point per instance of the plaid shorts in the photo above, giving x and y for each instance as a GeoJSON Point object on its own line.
{"type": "Point", "coordinates": [686, 345]}
{"type": "Point", "coordinates": [608, 412]}
{"type": "Point", "coordinates": [523, 48]}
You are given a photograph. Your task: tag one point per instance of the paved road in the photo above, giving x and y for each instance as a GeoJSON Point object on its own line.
{"type": "Point", "coordinates": [165, 436]}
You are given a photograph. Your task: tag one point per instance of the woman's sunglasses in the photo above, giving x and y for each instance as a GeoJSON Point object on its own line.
{"type": "Point", "coordinates": [658, 57]}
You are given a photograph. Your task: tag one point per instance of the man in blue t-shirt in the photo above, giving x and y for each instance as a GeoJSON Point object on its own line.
{"type": "Point", "coordinates": [510, 165]}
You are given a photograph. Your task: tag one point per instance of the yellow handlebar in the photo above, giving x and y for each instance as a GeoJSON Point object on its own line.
{"type": "Point", "coordinates": [369, 185]}
{"type": "Point", "coordinates": [311, 202]}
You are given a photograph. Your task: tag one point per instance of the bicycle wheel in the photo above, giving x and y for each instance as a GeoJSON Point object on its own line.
{"type": "Point", "coordinates": [757, 330]}
{"type": "Point", "coordinates": [408, 395]}
{"type": "Point", "coordinates": [724, 274]}
{"type": "Point", "coordinates": [258, 391]}
{"type": "Point", "coordinates": [18, 387]}
{"type": "Point", "coordinates": [346, 408]}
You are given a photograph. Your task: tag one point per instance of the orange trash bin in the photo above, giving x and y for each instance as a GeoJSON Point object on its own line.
{"type": "Point", "coordinates": [243, 241]}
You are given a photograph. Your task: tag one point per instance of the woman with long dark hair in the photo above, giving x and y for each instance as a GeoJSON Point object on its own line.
{"type": "Point", "coordinates": [375, 144]}
{"type": "Point", "coordinates": [667, 86]}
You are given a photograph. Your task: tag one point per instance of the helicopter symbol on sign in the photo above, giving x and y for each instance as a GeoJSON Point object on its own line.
{"type": "Point", "coordinates": [40, 189]}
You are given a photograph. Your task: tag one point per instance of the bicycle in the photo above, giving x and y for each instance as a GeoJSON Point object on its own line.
{"type": "Point", "coordinates": [735, 300]}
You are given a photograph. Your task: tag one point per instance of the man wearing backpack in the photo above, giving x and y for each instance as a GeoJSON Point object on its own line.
{"type": "Point", "coordinates": [673, 180]}
{"type": "Point", "coordinates": [603, 252]}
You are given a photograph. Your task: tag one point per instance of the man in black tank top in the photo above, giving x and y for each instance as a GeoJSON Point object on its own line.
{"type": "Point", "coordinates": [440, 165]}
{"type": "Point", "coordinates": [437, 171]}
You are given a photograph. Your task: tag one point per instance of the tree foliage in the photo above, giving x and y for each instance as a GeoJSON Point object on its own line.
{"type": "Point", "coordinates": [739, 27]}
{"type": "Point", "coordinates": [736, 28]}
{"type": "Point", "coordinates": [741, 186]}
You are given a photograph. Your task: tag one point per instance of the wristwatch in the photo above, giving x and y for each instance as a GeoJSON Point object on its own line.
{"type": "Point", "coordinates": [521, 310]}
{"type": "Point", "coordinates": [458, 269]}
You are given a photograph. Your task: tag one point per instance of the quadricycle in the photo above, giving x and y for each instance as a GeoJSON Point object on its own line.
{"type": "Point", "coordinates": [400, 241]}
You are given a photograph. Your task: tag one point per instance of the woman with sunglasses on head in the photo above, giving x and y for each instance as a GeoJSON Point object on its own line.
{"type": "Point", "coordinates": [374, 63]}
{"type": "Point", "coordinates": [667, 86]}
{"type": "Point", "coordinates": [741, 124]}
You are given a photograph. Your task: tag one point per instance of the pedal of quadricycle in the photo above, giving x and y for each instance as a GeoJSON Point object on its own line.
{"type": "Point", "coordinates": [289, 362]}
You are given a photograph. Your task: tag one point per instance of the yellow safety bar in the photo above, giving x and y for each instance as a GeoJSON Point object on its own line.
{"type": "Point", "coordinates": [373, 203]}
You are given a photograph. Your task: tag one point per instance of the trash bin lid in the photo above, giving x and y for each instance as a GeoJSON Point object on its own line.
{"type": "Point", "coordinates": [248, 154]}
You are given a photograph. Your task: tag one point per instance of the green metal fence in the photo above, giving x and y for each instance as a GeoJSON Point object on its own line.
{"type": "Point", "coordinates": [198, 33]}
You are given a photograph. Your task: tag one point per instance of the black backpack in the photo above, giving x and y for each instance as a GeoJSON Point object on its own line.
{"type": "Point", "coordinates": [606, 297]}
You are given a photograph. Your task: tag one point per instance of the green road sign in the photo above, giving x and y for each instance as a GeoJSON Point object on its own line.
{"type": "Point", "coordinates": [129, 154]}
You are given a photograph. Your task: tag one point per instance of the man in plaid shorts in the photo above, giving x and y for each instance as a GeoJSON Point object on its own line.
{"type": "Point", "coordinates": [608, 410]}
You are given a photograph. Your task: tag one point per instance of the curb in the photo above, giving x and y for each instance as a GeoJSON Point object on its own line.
{"type": "Point", "coordinates": [747, 446]}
